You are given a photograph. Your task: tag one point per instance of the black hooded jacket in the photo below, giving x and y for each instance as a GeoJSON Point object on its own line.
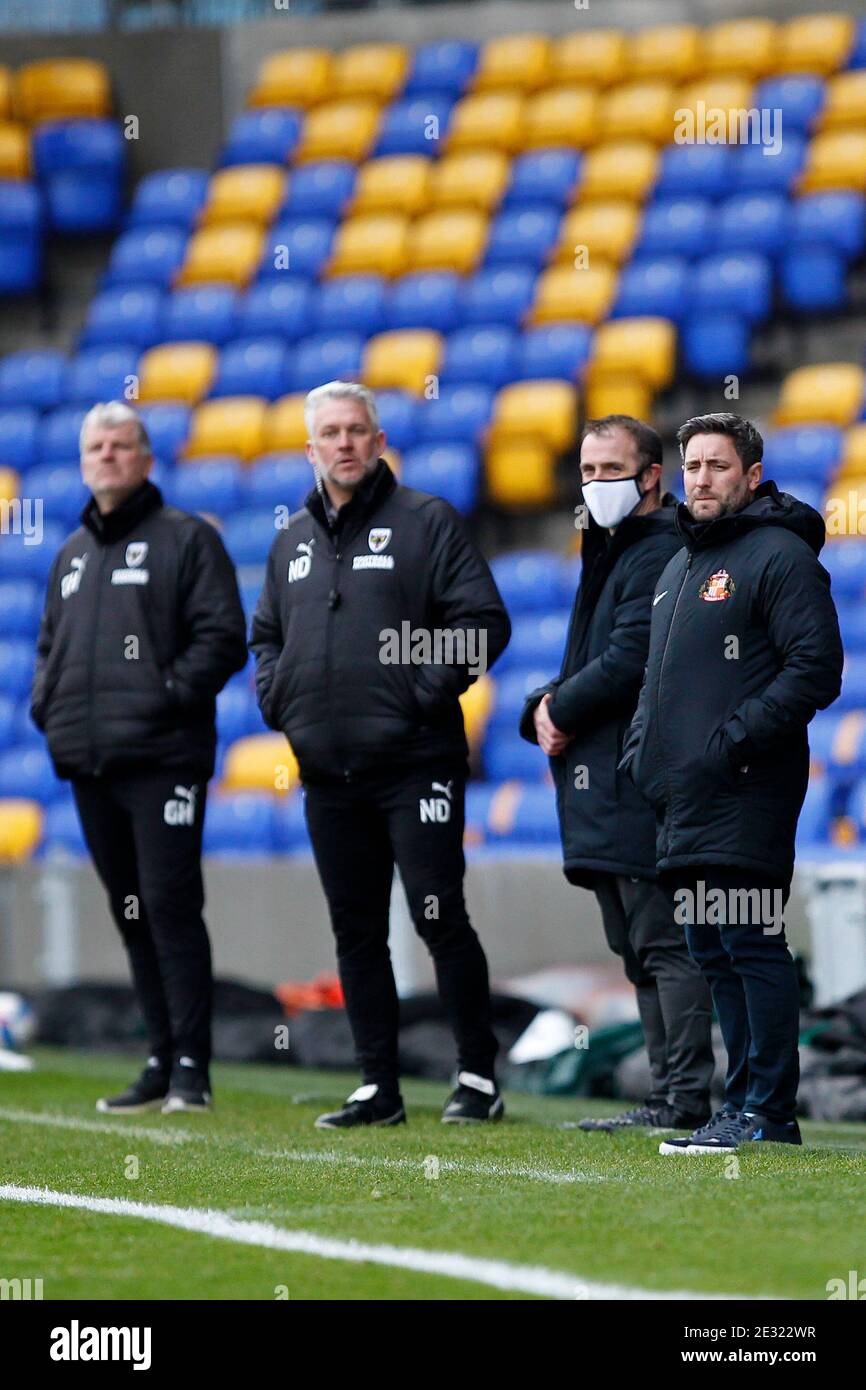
{"type": "Point", "coordinates": [744, 648]}
{"type": "Point", "coordinates": [605, 824]}
{"type": "Point", "coordinates": [142, 627]}
{"type": "Point", "coordinates": [346, 664]}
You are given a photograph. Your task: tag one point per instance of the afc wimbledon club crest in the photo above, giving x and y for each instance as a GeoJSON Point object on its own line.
{"type": "Point", "coordinates": [379, 538]}
{"type": "Point", "coordinates": [135, 553]}
{"type": "Point", "coordinates": [718, 587]}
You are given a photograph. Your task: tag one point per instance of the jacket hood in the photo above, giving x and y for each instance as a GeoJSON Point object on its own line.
{"type": "Point", "coordinates": [369, 493]}
{"type": "Point", "coordinates": [769, 507]}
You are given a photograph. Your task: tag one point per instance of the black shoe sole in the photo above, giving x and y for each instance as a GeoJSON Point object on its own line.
{"type": "Point", "coordinates": [139, 1108]}
{"type": "Point", "coordinates": [497, 1110]}
{"type": "Point", "coordinates": [398, 1118]}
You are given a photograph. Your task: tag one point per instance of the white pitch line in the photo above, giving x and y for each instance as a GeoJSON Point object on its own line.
{"type": "Point", "coordinates": [497, 1274]}
{"type": "Point", "coordinates": [45, 1117]}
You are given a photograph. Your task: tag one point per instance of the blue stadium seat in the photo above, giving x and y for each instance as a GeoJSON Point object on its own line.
{"type": "Point", "coordinates": [444, 65]}
{"type": "Point", "coordinates": [537, 639]}
{"type": "Point", "coordinates": [249, 535]}
{"type": "Point", "coordinates": [846, 562]}
{"type": "Point", "coordinates": [21, 226]}
{"type": "Point", "coordinates": [102, 373]}
{"type": "Point", "coordinates": [740, 284]}
{"type": "Point", "coordinates": [62, 489]}
{"type": "Point", "coordinates": [804, 451]}
{"type": "Point", "coordinates": [171, 197]}
{"type": "Point", "coordinates": [511, 692]}
{"type": "Point", "coordinates": [130, 314]}
{"type": "Point", "coordinates": [321, 189]}
{"type": "Point", "coordinates": [325, 357]}
{"type": "Point", "coordinates": [675, 227]}
{"type": "Point", "coordinates": [804, 489]}
{"type": "Point", "coordinates": [853, 694]}
{"type": "Point", "coordinates": [61, 830]}
{"type": "Point", "coordinates": [416, 125]}
{"type": "Point", "coordinates": [703, 171]}
{"type": "Point", "coordinates": [28, 772]}
{"type": "Point", "coordinates": [24, 731]}
{"type": "Point", "coordinates": [499, 294]}
{"type": "Point", "coordinates": [297, 246]}
{"type": "Point", "coordinates": [280, 307]}
{"type": "Point", "coordinates": [754, 171]}
{"type": "Point", "coordinates": [252, 367]}
{"type": "Point", "coordinates": [837, 219]}
{"type": "Point", "coordinates": [813, 279]}
{"type": "Point", "coordinates": [857, 56]}
{"type": "Point", "coordinates": [799, 97]}
{"type": "Point", "coordinates": [824, 727]}
{"type": "Point", "coordinates": [478, 798]}
{"type": "Point", "coordinates": [80, 164]}
{"type": "Point", "coordinates": [291, 835]}
{"type": "Point", "coordinates": [32, 378]}
{"type": "Point", "coordinates": [16, 655]}
{"type": "Point", "coordinates": [425, 299]}
{"type": "Point", "coordinates": [508, 757]}
{"type": "Point", "coordinates": [168, 424]}
{"type": "Point", "coordinates": [146, 256]}
{"type": "Point", "coordinates": [59, 431]}
{"type": "Point", "coordinates": [239, 823]}
{"type": "Point", "coordinates": [398, 417]}
{"type": "Point", "coordinates": [717, 346]}
{"type": "Point", "coordinates": [543, 176]}
{"type": "Point", "coordinates": [852, 625]}
{"type": "Point", "coordinates": [20, 608]}
{"type": "Point", "coordinates": [278, 480]}
{"type": "Point", "coordinates": [207, 485]}
{"type": "Point", "coordinates": [655, 287]}
{"type": "Point", "coordinates": [459, 415]}
{"type": "Point", "coordinates": [264, 136]}
{"type": "Point", "coordinates": [752, 222]}
{"type": "Point", "coordinates": [553, 351]}
{"type": "Point", "coordinates": [536, 821]}
{"type": "Point", "coordinates": [533, 581]}
{"type": "Point", "coordinates": [8, 710]}
{"type": "Point", "coordinates": [200, 314]}
{"type": "Point", "coordinates": [487, 355]}
{"type": "Point", "coordinates": [354, 303]}
{"type": "Point", "coordinates": [813, 827]}
{"type": "Point", "coordinates": [250, 592]}
{"type": "Point", "coordinates": [524, 234]}
{"type": "Point", "coordinates": [237, 714]}
{"type": "Point", "coordinates": [447, 470]}
{"type": "Point", "coordinates": [19, 433]}
{"type": "Point", "coordinates": [24, 557]}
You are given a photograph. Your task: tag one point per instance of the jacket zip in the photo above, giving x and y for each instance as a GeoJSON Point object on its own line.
{"type": "Point", "coordinates": [662, 667]}
{"type": "Point", "coordinates": [329, 661]}
{"type": "Point", "coordinates": [91, 664]}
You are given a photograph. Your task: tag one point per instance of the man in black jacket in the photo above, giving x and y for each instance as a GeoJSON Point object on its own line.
{"type": "Point", "coordinates": [607, 829]}
{"type": "Point", "coordinates": [143, 625]}
{"type": "Point", "coordinates": [377, 612]}
{"type": "Point", "coordinates": [744, 648]}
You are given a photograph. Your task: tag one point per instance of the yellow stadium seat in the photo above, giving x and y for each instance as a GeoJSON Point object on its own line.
{"type": "Point", "coordinates": [229, 253]}
{"type": "Point", "coordinates": [244, 193]}
{"type": "Point", "coordinates": [5, 93]}
{"type": "Point", "coordinates": [474, 179]}
{"type": "Point", "coordinates": [230, 425]}
{"type": "Point", "coordinates": [845, 101]}
{"type": "Point", "coordinates": [597, 57]}
{"type": "Point", "coordinates": [745, 46]}
{"type": "Point", "coordinates": [560, 116]}
{"type": "Point", "coordinates": [374, 244]}
{"type": "Point", "coordinates": [452, 240]}
{"type": "Point", "coordinates": [20, 829]}
{"type": "Point", "coordinates": [395, 183]}
{"type": "Point", "coordinates": [261, 762]}
{"type": "Point", "coordinates": [10, 484]}
{"type": "Point", "coordinates": [394, 460]}
{"type": "Point", "coordinates": [404, 360]}
{"type": "Point", "coordinates": [829, 394]}
{"type": "Point", "coordinates": [712, 94]}
{"type": "Point", "coordinates": [668, 51]}
{"type": "Point", "coordinates": [477, 704]}
{"type": "Point", "coordinates": [598, 231]}
{"type": "Point", "coordinates": [853, 453]}
{"type": "Point", "coordinates": [176, 372]}
{"type": "Point", "coordinates": [520, 474]}
{"type": "Point", "coordinates": [610, 393]}
{"type": "Point", "coordinates": [14, 151]}
{"type": "Point", "coordinates": [295, 77]}
{"type": "Point", "coordinates": [339, 130]}
{"type": "Point", "coordinates": [544, 410]}
{"type": "Point", "coordinates": [488, 121]}
{"type": "Point", "coordinates": [836, 159]}
{"type": "Point", "coordinates": [285, 427]}
{"type": "Point", "coordinates": [626, 169]}
{"type": "Point", "coordinates": [60, 89]}
{"type": "Point", "coordinates": [564, 292]}
{"type": "Point", "coordinates": [515, 60]}
{"type": "Point", "coordinates": [845, 507]}
{"type": "Point", "coordinates": [645, 348]}
{"type": "Point", "coordinates": [369, 70]}
{"type": "Point", "coordinates": [814, 43]}
{"type": "Point", "coordinates": [638, 111]}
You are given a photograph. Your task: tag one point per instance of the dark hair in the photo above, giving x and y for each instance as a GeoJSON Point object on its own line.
{"type": "Point", "coordinates": [647, 443]}
{"type": "Point", "coordinates": [747, 441]}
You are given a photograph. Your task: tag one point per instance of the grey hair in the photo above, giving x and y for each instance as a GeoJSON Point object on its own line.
{"type": "Point", "coordinates": [113, 413]}
{"type": "Point", "coordinates": [340, 390]}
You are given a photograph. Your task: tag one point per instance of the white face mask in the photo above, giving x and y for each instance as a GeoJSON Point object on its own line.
{"type": "Point", "coordinates": [611, 500]}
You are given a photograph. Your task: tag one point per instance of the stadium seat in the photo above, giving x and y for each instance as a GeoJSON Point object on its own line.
{"type": "Point", "coordinates": [716, 347]}
{"type": "Point", "coordinates": [208, 485]}
{"type": "Point", "coordinates": [845, 101]}
{"type": "Point", "coordinates": [34, 378]}
{"type": "Point", "coordinates": [556, 350]}
{"type": "Point", "coordinates": [603, 231]}
{"type": "Point", "coordinates": [5, 93]}
{"type": "Point", "coordinates": [92, 146]}
{"type": "Point", "coordinates": [282, 307]}
{"type": "Point", "coordinates": [25, 556]}
{"type": "Point", "coordinates": [561, 118]}
{"type": "Point", "coordinates": [857, 56]}
{"type": "Point", "coordinates": [8, 707]}
{"type": "Point", "coordinates": [446, 470]}
{"type": "Point", "coordinates": [853, 461]}
{"type": "Point", "coordinates": [487, 121]}
{"type": "Point", "coordinates": [14, 151]}
{"type": "Point", "coordinates": [620, 169]}
{"type": "Point", "coordinates": [261, 762]}
{"type": "Point", "coordinates": [60, 89]}
{"type": "Point", "coordinates": [296, 246]}
{"type": "Point", "coordinates": [699, 171]}
{"type": "Point", "coordinates": [10, 484]}
{"type": "Point", "coordinates": [237, 714]}
{"type": "Point", "coordinates": [813, 279]}
{"type": "Point", "coordinates": [406, 360]}
{"type": "Point", "coordinates": [582, 296]}
{"type": "Point", "coordinates": [485, 354]}
{"type": "Point", "coordinates": [171, 197]}
{"type": "Point", "coordinates": [653, 288]}
{"type": "Point", "coordinates": [285, 428]}
{"type": "Point", "coordinates": [278, 480]}
{"type": "Point", "coordinates": [525, 234]}
{"type": "Point", "coordinates": [394, 183]}
{"type": "Point", "coordinates": [415, 126]}
{"type": "Point", "coordinates": [16, 657]}
{"type": "Point", "coordinates": [264, 136]}
{"type": "Point", "coordinates": [752, 222]}
{"type": "Point", "coordinates": [844, 510]}
{"type": "Point", "coordinates": [447, 240]}
{"type": "Point", "coordinates": [668, 51]}
{"type": "Point", "coordinates": [177, 372]}
{"type": "Point", "coordinates": [293, 77]}
{"type": "Point", "coordinates": [398, 417]}
{"type": "Point", "coordinates": [244, 193]}
{"type": "Point", "coordinates": [542, 409]}
{"type": "Point", "coordinates": [736, 284]}
{"type": "Point", "coordinates": [132, 314]}
{"type": "Point", "coordinates": [537, 639]}
{"type": "Point", "coordinates": [251, 366]}
{"type": "Point", "coordinates": [612, 393]}
{"type": "Point", "coordinates": [520, 62]}
{"type": "Point", "coordinates": [498, 294]}
{"type": "Point", "coordinates": [79, 202]}
{"type": "Point", "coordinates": [249, 535]}
{"type": "Point", "coordinates": [835, 160]}
{"type": "Point", "coordinates": [532, 581]}
{"type": "Point", "coordinates": [640, 347]}
{"type": "Point", "coordinates": [817, 43]}
{"type": "Point", "coordinates": [830, 394]}
{"type": "Point", "coordinates": [63, 491]}
{"type": "Point", "coordinates": [375, 70]}
{"type": "Point", "coordinates": [846, 562]}
{"type": "Point", "coordinates": [146, 256]}
{"type": "Point", "coordinates": [674, 226]}
{"type": "Point", "coordinates": [431, 299]}
{"type": "Point", "coordinates": [20, 829]}
{"type": "Point", "coordinates": [168, 426]}
{"type": "Point", "coordinates": [591, 57]}
{"type": "Point", "coordinates": [200, 314]}
{"type": "Point", "coordinates": [469, 179]}
{"type": "Point", "coordinates": [104, 373]}
{"type": "Point", "coordinates": [321, 189]}
{"type": "Point", "coordinates": [20, 612]}
{"type": "Point", "coordinates": [228, 253]}
{"type": "Point", "coordinates": [837, 220]}
{"type": "Point", "coordinates": [325, 357]}
{"type": "Point", "coordinates": [509, 759]}
{"type": "Point", "coordinates": [800, 98]}
{"type": "Point", "coordinates": [353, 302]}
{"type": "Point", "coordinates": [476, 704]}
{"type": "Point", "coordinates": [459, 414]}
{"type": "Point", "coordinates": [445, 66]}
{"type": "Point", "coordinates": [519, 474]}
{"type": "Point", "coordinates": [371, 245]}
{"type": "Point", "coordinates": [754, 172]}
{"type": "Point", "coordinates": [233, 425]}
{"type": "Point", "coordinates": [21, 228]}
{"type": "Point", "coordinates": [745, 46]}
{"type": "Point", "coordinates": [339, 130]}
{"type": "Point", "coordinates": [543, 176]}
{"type": "Point", "coordinates": [853, 695]}
{"type": "Point", "coordinates": [20, 436]}
{"type": "Point", "coordinates": [642, 110]}
{"type": "Point", "coordinates": [61, 831]}
{"type": "Point", "coordinates": [239, 824]}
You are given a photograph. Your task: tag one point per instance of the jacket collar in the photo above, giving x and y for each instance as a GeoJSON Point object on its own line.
{"type": "Point", "coordinates": [365, 500]}
{"type": "Point", "coordinates": [597, 542]}
{"type": "Point", "coordinates": [113, 526]}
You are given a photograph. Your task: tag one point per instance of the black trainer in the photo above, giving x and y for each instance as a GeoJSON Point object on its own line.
{"type": "Point", "coordinates": [642, 1116]}
{"type": "Point", "coordinates": [475, 1100]}
{"type": "Point", "coordinates": [746, 1127]}
{"type": "Point", "coordinates": [189, 1088]}
{"type": "Point", "coordinates": [147, 1093]}
{"type": "Point", "coordinates": [366, 1106]}
{"type": "Point", "coordinates": [715, 1124]}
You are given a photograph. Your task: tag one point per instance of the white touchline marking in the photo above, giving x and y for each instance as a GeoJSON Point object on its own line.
{"type": "Point", "coordinates": [497, 1274]}
{"type": "Point", "coordinates": [45, 1117]}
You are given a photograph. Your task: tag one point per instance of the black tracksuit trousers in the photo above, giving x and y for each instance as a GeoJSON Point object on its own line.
{"type": "Point", "coordinates": [144, 833]}
{"type": "Point", "coordinates": [359, 829]}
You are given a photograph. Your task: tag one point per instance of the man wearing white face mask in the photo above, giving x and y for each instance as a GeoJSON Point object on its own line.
{"type": "Point", "coordinates": [580, 720]}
